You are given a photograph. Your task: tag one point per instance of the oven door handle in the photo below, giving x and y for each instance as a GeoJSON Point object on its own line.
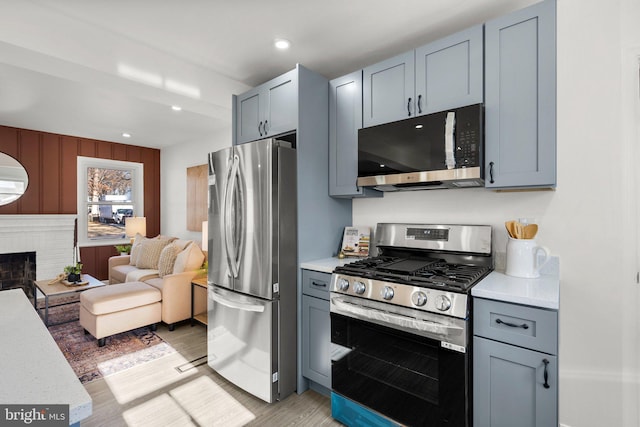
{"type": "Point", "coordinates": [384, 317]}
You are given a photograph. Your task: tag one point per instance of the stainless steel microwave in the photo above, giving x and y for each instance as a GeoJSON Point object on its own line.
{"type": "Point", "coordinates": [439, 150]}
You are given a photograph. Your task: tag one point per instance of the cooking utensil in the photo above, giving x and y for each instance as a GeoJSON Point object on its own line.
{"type": "Point", "coordinates": [511, 228]}
{"type": "Point", "coordinates": [518, 230]}
{"type": "Point", "coordinates": [530, 231]}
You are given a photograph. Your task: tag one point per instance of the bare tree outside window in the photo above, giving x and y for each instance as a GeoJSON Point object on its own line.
{"type": "Point", "coordinates": [109, 202]}
{"type": "Point", "coordinates": [109, 193]}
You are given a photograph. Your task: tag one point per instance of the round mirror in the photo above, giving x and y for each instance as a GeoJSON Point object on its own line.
{"type": "Point", "coordinates": [13, 179]}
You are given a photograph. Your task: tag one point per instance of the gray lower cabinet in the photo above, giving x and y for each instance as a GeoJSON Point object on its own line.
{"type": "Point", "coordinates": [345, 118]}
{"type": "Point", "coordinates": [520, 98]}
{"type": "Point", "coordinates": [316, 328]}
{"type": "Point", "coordinates": [509, 386]}
{"type": "Point", "coordinates": [267, 110]}
{"type": "Point", "coordinates": [316, 340]}
{"type": "Point", "coordinates": [515, 365]}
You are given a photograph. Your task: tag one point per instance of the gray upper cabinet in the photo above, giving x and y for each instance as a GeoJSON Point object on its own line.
{"type": "Point", "coordinates": [388, 90]}
{"type": "Point", "coordinates": [248, 122]}
{"type": "Point", "coordinates": [520, 98]}
{"type": "Point", "coordinates": [345, 118]}
{"type": "Point", "coordinates": [449, 72]}
{"type": "Point", "coordinates": [444, 74]}
{"type": "Point", "coordinates": [267, 110]}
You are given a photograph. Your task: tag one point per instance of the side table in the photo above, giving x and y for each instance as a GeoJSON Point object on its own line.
{"type": "Point", "coordinates": [195, 284]}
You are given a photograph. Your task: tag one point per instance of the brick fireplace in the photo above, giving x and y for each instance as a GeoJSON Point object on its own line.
{"type": "Point", "coordinates": [48, 237]}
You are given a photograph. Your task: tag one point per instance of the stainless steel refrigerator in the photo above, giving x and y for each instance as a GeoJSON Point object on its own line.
{"type": "Point", "coordinates": [251, 332]}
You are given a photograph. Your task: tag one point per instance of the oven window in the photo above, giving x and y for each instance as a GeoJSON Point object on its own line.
{"type": "Point", "coordinates": [410, 379]}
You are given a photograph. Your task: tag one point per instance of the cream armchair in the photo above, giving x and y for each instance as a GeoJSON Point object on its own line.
{"type": "Point", "coordinates": [175, 286]}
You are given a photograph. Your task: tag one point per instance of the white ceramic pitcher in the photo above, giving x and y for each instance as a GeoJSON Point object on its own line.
{"type": "Point", "coordinates": [525, 258]}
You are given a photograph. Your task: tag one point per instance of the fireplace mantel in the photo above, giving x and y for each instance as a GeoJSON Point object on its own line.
{"type": "Point", "coordinates": [49, 236]}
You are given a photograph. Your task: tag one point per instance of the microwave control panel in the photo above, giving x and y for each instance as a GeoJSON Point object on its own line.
{"type": "Point", "coordinates": [468, 142]}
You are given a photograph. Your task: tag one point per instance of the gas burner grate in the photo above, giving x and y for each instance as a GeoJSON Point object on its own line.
{"type": "Point", "coordinates": [426, 272]}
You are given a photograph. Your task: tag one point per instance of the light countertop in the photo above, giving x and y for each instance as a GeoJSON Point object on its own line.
{"type": "Point", "coordinates": [543, 292]}
{"type": "Point", "coordinates": [326, 265]}
{"type": "Point", "coordinates": [33, 369]}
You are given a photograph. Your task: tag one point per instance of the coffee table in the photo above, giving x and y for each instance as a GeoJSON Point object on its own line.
{"type": "Point", "coordinates": [60, 289]}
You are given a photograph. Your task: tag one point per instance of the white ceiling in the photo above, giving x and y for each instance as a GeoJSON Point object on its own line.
{"type": "Point", "coordinates": [97, 68]}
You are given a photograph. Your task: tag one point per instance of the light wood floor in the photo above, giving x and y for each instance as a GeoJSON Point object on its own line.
{"type": "Point", "coordinates": [158, 394]}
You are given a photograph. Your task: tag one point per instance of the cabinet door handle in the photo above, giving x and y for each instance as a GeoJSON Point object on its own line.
{"type": "Point", "coordinates": [260, 130]}
{"type": "Point", "coordinates": [264, 127]}
{"type": "Point", "coordinates": [513, 325]}
{"type": "Point", "coordinates": [546, 373]}
{"type": "Point", "coordinates": [409, 107]}
{"type": "Point", "coordinates": [319, 284]}
{"type": "Point", "coordinates": [491, 173]}
{"type": "Point", "coordinates": [418, 104]}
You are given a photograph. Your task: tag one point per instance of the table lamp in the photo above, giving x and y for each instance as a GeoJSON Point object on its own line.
{"type": "Point", "coordinates": [205, 235]}
{"type": "Point", "coordinates": [134, 225]}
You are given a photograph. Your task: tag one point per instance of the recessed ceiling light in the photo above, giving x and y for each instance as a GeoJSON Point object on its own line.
{"type": "Point", "coordinates": [126, 135]}
{"type": "Point", "coordinates": [282, 44]}
{"type": "Point", "coordinates": [176, 108]}
{"type": "Point", "coordinates": [418, 126]}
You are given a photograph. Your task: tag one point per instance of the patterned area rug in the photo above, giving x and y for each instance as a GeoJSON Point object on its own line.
{"type": "Point", "coordinates": [90, 362]}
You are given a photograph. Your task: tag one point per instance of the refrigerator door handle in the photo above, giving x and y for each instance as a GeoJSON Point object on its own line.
{"type": "Point", "coordinates": [258, 308]}
{"type": "Point", "coordinates": [240, 216]}
{"type": "Point", "coordinates": [228, 218]}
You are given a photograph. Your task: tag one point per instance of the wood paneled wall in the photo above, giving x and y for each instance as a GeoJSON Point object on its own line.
{"type": "Point", "coordinates": [51, 163]}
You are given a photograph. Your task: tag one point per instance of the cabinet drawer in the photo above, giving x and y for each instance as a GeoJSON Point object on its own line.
{"type": "Point", "coordinates": [528, 327]}
{"type": "Point", "coordinates": [316, 284]}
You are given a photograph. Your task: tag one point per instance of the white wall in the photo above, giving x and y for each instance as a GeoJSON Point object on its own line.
{"type": "Point", "coordinates": [586, 222]}
{"type": "Point", "coordinates": [174, 162]}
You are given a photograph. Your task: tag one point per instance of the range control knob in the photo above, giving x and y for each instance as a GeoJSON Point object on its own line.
{"type": "Point", "coordinates": [443, 303]}
{"type": "Point", "coordinates": [343, 285]}
{"type": "Point", "coordinates": [419, 298]}
{"type": "Point", "coordinates": [359, 288]}
{"type": "Point", "coordinates": [387, 293]}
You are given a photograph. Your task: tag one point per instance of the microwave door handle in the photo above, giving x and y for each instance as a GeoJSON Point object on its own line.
{"type": "Point", "coordinates": [449, 140]}
{"type": "Point", "coordinates": [349, 309]}
{"type": "Point", "coordinates": [257, 308]}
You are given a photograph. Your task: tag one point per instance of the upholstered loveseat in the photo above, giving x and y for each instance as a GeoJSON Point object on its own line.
{"type": "Point", "coordinates": [167, 264]}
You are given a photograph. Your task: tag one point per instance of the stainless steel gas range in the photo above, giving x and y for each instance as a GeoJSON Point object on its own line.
{"type": "Point", "coordinates": [401, 326]}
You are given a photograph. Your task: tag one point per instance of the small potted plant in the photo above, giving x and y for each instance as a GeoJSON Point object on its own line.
{"type": "Point", "coordinates": [123, 249]}
{"type": "Point", "coordinates": [73, 272]}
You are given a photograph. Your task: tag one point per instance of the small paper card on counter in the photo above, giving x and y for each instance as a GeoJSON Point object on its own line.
{"type": "Point", "coordinates": [355, 241]}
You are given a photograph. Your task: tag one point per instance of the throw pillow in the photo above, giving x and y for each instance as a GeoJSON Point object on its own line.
{"type": "Point", "coordinates": [135, 248]}
{"type": "Point", "coordinates": [168, 259]}
{"type": "Point", "coordinates": [191, 258]}
{"type": "Point", "coordinates": [182, 243]}
{"type": "Point", "coordinates": [149, 253]}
